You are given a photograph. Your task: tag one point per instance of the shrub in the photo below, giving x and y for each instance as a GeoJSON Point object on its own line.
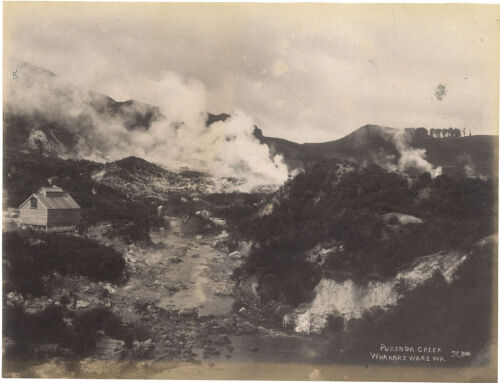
{"type": "Point", "coordinates": [30, 264]}
{"type": "Point", "coordinates": [48, 326]}
{"type": "Point", "coordinates": [318, 206]}
{"type": "Point", "coordinates": [453, 316]}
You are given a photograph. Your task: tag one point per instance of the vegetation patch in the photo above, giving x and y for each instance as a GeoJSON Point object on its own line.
{"type": "Point", "coordinates": [454, 316]}
{"type": "Point", "coordinates": [30, 259]}
{"type": "Point", "coordinates": [323, 204]}
{"type": "Point", "coordinates": [131, 218]}
{"type": "Point", "coordinates": [73, 335]}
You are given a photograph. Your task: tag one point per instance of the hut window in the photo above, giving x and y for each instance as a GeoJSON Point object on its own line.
{"type": "Point", "coordinates": [33, 202]}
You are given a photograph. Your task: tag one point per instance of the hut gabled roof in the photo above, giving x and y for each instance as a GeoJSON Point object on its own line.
{"type": "Point", "coordinates": [53, 198]}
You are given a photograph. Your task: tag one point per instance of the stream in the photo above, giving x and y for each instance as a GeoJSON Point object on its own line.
{"type": "Point", "coordinates": [204, 273]}
{"type": "Point", "coordinates": [180, 290]}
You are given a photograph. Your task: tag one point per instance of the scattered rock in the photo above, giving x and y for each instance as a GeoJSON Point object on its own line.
{"type": "Point", "coordinates": [175, 260]}
{"type": "Point", "coordinates": [224, 291]}
{"type": "Point", "coordinates": [82, 304]}
{"type": "Point", "coordinates": [172, 289]}
{"type": "Point", "coordinates": [223, 235]}
{"type": "Point", "coordinates": [35, 242]}
{"type": "Point", "coordinates": [180, 252]}
{"type": "Point", "coordinates": [245, 328]}
{"type": "Point", "coordinates": [221, 340]}
{"type": "Point", "coordinates": [218, 221]}
{"type": "Point", "coordinates": [203, 213]}
{"type": "Point", "coordinates": [210, 351]}
{"type": "Point", "coordinates": [142, 348]}
{"type": "Point", "coordinates": [196, 255]}
{"type": "Point", "coordinates": [14, 298]}
{"type": "Point", "coordinates": [246, 292]}
{"type": "Point", "coordinates": [235, 255]}
{"type": "Point", "coordinates": [109, 289]}
{"type": "Point", "coordinates": [224, 244]}
{"type": "Point", "coordinates": [189, 312]}
{"type": "Point", "coordinates": [109, 348]}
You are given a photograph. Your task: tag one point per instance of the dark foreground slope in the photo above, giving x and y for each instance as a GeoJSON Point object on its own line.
{"type": "Point", "coordinates": [362, 226]}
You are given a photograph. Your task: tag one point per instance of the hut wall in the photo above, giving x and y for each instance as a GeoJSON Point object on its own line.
{"type": "Point", "coordinates": [29, 216]}
{"type": "Point", "coordinates": [63, 217]}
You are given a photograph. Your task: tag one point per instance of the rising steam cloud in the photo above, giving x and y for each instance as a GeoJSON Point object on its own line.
{"type": "Point", "coordinates": [176, 137]}
{"type": "Point", "coordinates": [410, 159]}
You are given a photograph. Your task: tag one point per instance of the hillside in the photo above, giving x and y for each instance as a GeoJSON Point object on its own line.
{"type": "Point", "coordinates": [45, 115]}
{"type": "Point", "coordinates": [372, 143]}
{"type": "Point", "coordinates": [340, 246]}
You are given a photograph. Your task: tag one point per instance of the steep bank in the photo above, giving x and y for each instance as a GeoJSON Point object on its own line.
{"type": "Point", "coordinates": [350, 300]}
{"type": "Point", "coordinates": [336, 248]}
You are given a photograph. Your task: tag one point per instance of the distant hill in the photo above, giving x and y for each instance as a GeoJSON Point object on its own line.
{"type": "Point", "coordinates": [371, 142]}
{"type": "Point", "coordinates": [42, 114]}
{"type": "Point", "coordinates": [136, 177]}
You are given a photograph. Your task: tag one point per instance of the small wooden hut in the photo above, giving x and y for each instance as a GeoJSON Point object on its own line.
{"type": "Point", "coordinates": [50, 209]}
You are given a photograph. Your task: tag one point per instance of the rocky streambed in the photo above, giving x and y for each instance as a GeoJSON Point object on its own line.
{"type": "Point", "coordinates": [180, 292]}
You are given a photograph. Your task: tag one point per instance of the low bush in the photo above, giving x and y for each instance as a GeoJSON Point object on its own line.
{"type": "Point", "coordinates": [32, 258]}
{"type": "Point", "coordinates": [56, 325]}
{"type": "Point", "coordinates": [319, 205]}
{"type": "Point", "coordinates": [454, 316]}
{"type": "Point", "coordinates": [26, 173]}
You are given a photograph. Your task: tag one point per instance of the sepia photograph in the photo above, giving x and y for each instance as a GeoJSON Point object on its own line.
{"type": "Point", "coordinates": [250, 191]}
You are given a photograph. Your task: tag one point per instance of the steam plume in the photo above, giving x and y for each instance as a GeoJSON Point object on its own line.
{"type": "Point", "coordinates": [410, 159]}
{"type": "Point", "coordinates": [176, 137]}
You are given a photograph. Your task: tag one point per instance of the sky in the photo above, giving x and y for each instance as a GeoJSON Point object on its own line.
{"type": "Point", "coordinates": [304, 72]}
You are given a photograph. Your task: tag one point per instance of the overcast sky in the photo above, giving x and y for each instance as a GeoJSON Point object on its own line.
{"type": "Point", "coordinates": [307, 73]}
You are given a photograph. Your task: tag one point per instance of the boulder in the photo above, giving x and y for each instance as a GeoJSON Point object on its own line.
{"type": "Point", "coordinates": [224, 291]}
{"type": "Point", "coordinates": [109, 348]}
{"type": "Point", "coordinates": [246, 292]}
{"type": "Point", "coordinates": [141, 349]}
{"type": "Point", "coordinates": [109, 288]}
{"type": "Point", "coordinates": [235, 255]}
{"type": "Point", "coordinates": [82, 304]}
{"type": "Point", "coordinates": [203, 213]}
{"type": "Point", "coordinates": [14, 298]}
